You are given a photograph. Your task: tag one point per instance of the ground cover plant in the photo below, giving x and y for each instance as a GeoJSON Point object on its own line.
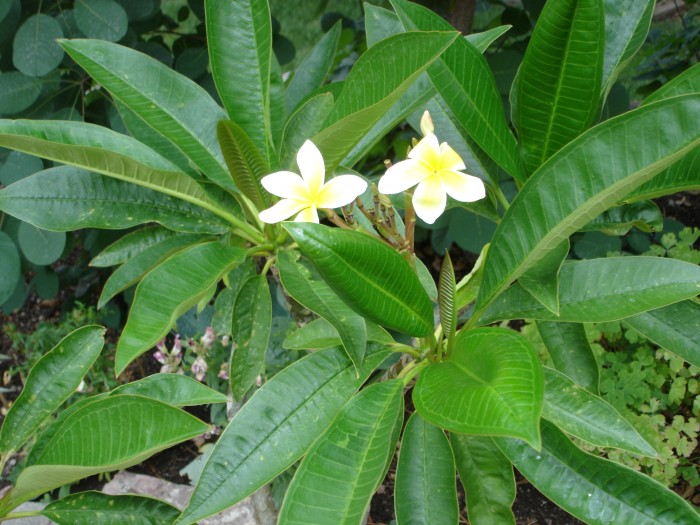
{"type": "Point", "coordinates": [372, 321]}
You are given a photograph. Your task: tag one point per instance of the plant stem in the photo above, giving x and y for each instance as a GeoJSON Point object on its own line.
{"type": "Point", "coordinates": [411, 370]}
{"type": "Point", "coordinates": [25, 514]}
{"type": "Point", "coordinates": [270, 261]}
{"type": "Point", "coordinates": [409, 221]}
{"type": "Point", "coordinates": [500, 197]}
{"type": "Point", "coordinates": [404, 349]}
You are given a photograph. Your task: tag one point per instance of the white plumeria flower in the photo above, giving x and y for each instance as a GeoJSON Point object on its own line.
{"type": "Point", "coordinates": [304, 195]}
{"type": "Point", "coordinates": [434, 167]}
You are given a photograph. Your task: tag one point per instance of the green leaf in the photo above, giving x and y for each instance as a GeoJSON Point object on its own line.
{"type": "Point", "coordinates": [168, 291]}
{"type": "Point", "coordinates": [675, 327]}
{"type": "Point", "coordinates": [683, 175]}
{"type": "Point", "coordinates": [542, 280]}
{"type": "Point", "coordinates": [481, 41]}
{"type": "Point", "coordinates": [645, 216]}
{"type": "Point", "coordinates": [425, 490]}
{"type": "Point", "coordinates": [341, 471]}
{"type": "Point", "coordinates": [244, 162]}
{"type": "Point", "coordinates": [184, 113]}
{"type": "Point", "coordinates": [34, 50]}
{"type": "Point", "coordinates": [102, 19]}
{"type": "Point", "coordinates": [313, 70]}
{"type": "Point", "coordinates": [464, 80]}
{"type": "Point", "coordinates": [595, 490]}
{"type": "Point", "coordinates": [468, 287]}
{"type": "Point", "coordinates": [568, 347]}
{"type": "Point", "coordinates": [67, 198]}
{"type": "Point", "coordinates": [239, 36]}
{"type": "Point", "coordinates": [96, 508]}
{"type": "Point", "coordinates": [305, 122]}
{"type": "Point", "coordinates": [686, 83]}
{"type": "Point", "coordinates": [131, 429]}
{"type": "Point", "coordinates": [491, 385]}
{"type": "Point", "coordinates": [487, 477]}
{"type": "Point", "coordinates": [18, 92]}
{"type": "Point", "coordinates": [588, 417]}
{"type": "Point", "coordinates": [17, 166]}
{"type": "Point", "coordinates": [299, 403]}
{"type": "Point", "coordinates": [600, 290]}
{"type": "Point", "coordinates": [368, 275]}
{"type": "Point", "coordinates": [600, 167]}
{"type": "Point", "coordinates": [252, 317]}
{"type": "Point", "coordinates": [223, 311]}
{"type": "Point", "coordinates": [130, 245]}
{"type": "Point", "coordinates": [380, 23]}
{"type": "Point", "coordinates": [319, 334]}
{"type": "Point", "coordinates": [556, 93]}
{"type": "Point", "coordinates": [11, 266]}
{"type": "Point", "coordinates": [174, 389]}
{"type": "Point", "coordinates": [39, 246]}
{"type": "Point", "coordinates": [52, 380]}
{"type": "Point", "coordinates": [447, 290]}
{"type": "Point", "coordinates": [377, 80]}
{"type": "Point", "coordinates": [304, 284]}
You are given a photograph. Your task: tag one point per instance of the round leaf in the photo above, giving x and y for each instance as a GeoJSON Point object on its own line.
{"type": "Point", "coordinates": [35, 51]}
{"type": "Point", "coordinates": [137, 10]}
{"type": "Point", "coordinates": [46, 283]}
{"type": "Point", "coordinates": [39, 246]}
{"type": "Point", "coordinates": [102, 19]}
{"type": "Point", "coordinates": [18, 166]}
{"type": "Point", "coordinates": [17, 92]}
{"type": "Point", "coordinates": [10, 264]}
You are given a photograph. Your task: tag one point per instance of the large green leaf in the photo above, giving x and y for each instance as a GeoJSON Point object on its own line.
{"type": "Point", "coordinates": [425, 490]}
{"type": "Point", "coordinates": [484, 39]}
{"type": "Point", "coordinates": [684, 84]}
{"type": "Point", "coordinates": [556, 93]}
{"type": "Point", "coordinates": [52, 380]}
{"type": "Point", "coordinates": [67, 198]}
{"type": "Point", "coordinates": [464, 80]}
{"type": "Point", "coordinates": [675, 327]}
{"type": "Point", "coordinates": [130, 245]}
{"type": "Point", "coordinates": [305, 122]}
{"type": "Point", "coordinates": [34, 49]}
{"type": "Point", "coordinates": [645, 216]}
{"type": "Point", "coordinates": [341, 471]}
{"type": "Point", "coordinates": [96, 508]}
{"type": "Point", "coordinates": [252, 317]}
{"type": "Point", "coordinates": [487, 477]}
{"type": "Point", "coordinates": [491, 385]}
{"type": "Point", "coordinates": [319, 334]}
{"type": "Point", "coordinates": [168, 291]}
{"type": "Point", "coordinates": [377, 80]}
{"type": "Point", "coordinates": [595, 490]}
{"type": "Point", "coordinates": [683, 175]}
{"type": "Point", "coordinates": [599, 290]}
{"type": "Point", "coordinates": [368, 275]}
{"type": "Point", "coordinates": [588, 417]}
{"type": "Point", "coordinates": [131, 429]}
{"type": "Point", "coordinates": [542, 280]}
{"type": "Point", "coordinates": [571, 353]}
{"type": "Point", "coordinates": [239, 37]}
{"type": "Point", "coordinates": [584, 179]}
{"type": "Point", "coordinates": [184, 113]}
{"type": "Point", "coordinates": [174, 389]}
{"type": "Point", "coordinates": [298, 404]}
{"type": "Point", "coordinates": [11, 267]}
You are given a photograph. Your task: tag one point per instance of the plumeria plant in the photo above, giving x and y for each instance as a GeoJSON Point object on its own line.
{"type": "Point", "coordinates": [199, 184]}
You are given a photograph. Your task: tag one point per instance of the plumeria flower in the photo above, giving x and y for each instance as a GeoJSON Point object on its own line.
{"type": "Point", "coordinates": [435, 168]}
{"type": "Point", "coordinates": [304, 195]}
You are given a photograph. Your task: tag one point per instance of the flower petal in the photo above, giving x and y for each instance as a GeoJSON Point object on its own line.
{"type": "Point", "coordinates": [462, 187]}
{"type": "Point", "coordinates": [286, 184]}
{"type": "Point", "coordinates": [450, 159]}
{"type": "Point", "coordinates": [340, 191]}
{"type": "Point", "coordinates": [311, 166]}
{"type": "Point", "coordinates": [427, 151]}
{"type": "Point", "coordinates": [430, 199]}
{"type": "Point", "coordinates": [282, 210]}
{"type": "Point", "coordinates": [307, 215]}
{"type": "Point", "coordinates": [401, 176]}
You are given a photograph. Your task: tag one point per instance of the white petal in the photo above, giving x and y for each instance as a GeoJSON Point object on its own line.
{"type": "Point", "coordinates": [450, 159]}
{"type": "Point", "coordinates": [311, 166]}
{"type": "Point", "coordinates": [307, 215]}
{"type": "Point", "coordinates": [426, 124]}
{"type": "Point", "coordinates": [286, 184]}
{"type": "Point", "coordinates": [430, 199]}
{"type": "Point", "coordinates": [427, 151]}
{"type": "Point", "coordinates": [282, 210]}
{"type": "Point", "coordinates": [401, 176]}
{"type": "Point", "coordinates": [340, 191]}
{"type": "Point", "coordinates": [463, 187]}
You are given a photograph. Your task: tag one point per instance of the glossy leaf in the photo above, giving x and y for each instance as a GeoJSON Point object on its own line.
{"type": "Point", "coordinates": [97, 508]}
{"type": "Point", "coordinates": [683, 175]}
{"type": "Point", "coordinates": [305, 122]}
{"type": "Point", "coordinates": [173, 389]}
{"type": "Point", "coordinates": [169, 291]}
{"type": "Point", "coordinates": [252, 316]}
{"type": "Point", "coordinates": [103, 19]}
{"type": "Point", "coordinates": [599, 168]}
{"type": "Point", "coordinates": [686, 83]}
{"type": "Point", "coordinates": [447, 290]}
{"type": "Point", "coordinates": [491, 385]}
{"type": "Point", "coordinates": [239, 37]}
{"type": "Point", "coordinates": [34, 50]}
{"type": "Point", "coordinates": [571, 353]}
{"type": "Point", "coordinates": [184, 113]}
{"type": "Point", "coordinates": [380, 23]}
{"type": "Point", "coordinates": [223, 311]}
{"type": "Point", "coordinates": [594, 490]}
{"type": "Point", "coordinates": [11, 266]}
{"type": "Point", "coordinates": [675, 327]}
{"type": "Point", "coordinates": [368, 275]}
{"type": "Point", "coordinates": [487, 477]}
{"type": "Point", "coordinates": [645, 216]}
{"type": "Point", "coordinates": [484, 39]}
{"type": "Point", "coordinates": [425, 490]}
{"type": "Point", "coordinates": [600, 290]}
{"type": "Point", "coordinates": [588, 417]}
{"type": "Point", "coordinates": [299, 403]}
{"type": "Point", "coordinates": [130, 245]}
{"type": "Point", "coordinates": [319, 334]}
{"type": "Point", "coordinates": [52, 380]}
{"type": "Point", "coordinates": [464, 80]}
{"type": "Point", "coordinates": [341, 471]}
{"type": "Point", "coordinates": [542, 280]}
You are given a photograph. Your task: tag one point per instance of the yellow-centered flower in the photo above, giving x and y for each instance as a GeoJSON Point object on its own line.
{"type": "Point", "coordinates": [434, 167]}
{"type": "Point", "coordinates": [304, 195]}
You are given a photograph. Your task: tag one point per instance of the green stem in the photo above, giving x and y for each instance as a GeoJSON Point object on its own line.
{"type": "Point", "coordinates": [500, 197]}
{"type": "Point", "coordinates": [409, 220]}
{"type": "Point", "coordinates": [411, 370]}
{"type": "Point", "coordinates": [261, 249]}
{"type": "Point", "coordinates": [25, 514]}
{"type": "Point", "coordinates": [268, 264]}
{"type": "Point", "coordinates": [404, 349]}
